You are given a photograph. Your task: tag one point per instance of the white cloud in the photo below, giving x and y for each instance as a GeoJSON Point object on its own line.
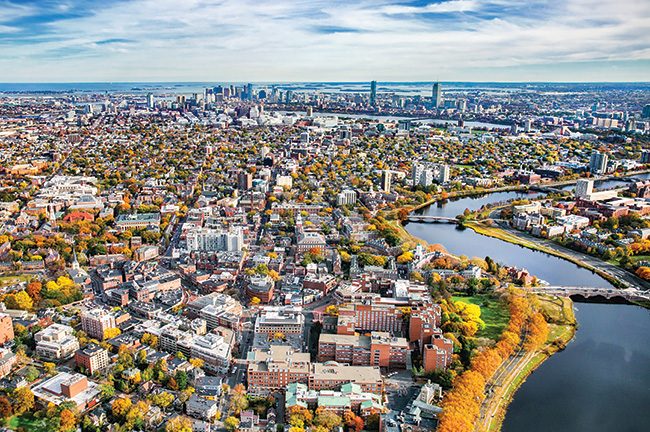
{"type": "Point", "coordinates": [323, 40]}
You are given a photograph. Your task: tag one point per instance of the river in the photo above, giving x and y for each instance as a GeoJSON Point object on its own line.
{"type": "Point", "coordinates": [601, 381]}
{"type": "Point", "coordinates": [553, 270]}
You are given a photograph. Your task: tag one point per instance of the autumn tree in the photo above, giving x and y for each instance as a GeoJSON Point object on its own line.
{"type": "Point", "coordinates": [68, 420]}
{"type": "Point", "coordinates": [231, 423]}
{"type": "Point", "coordinates": [6, 410]}
{"type": "Point", "coordinates": [23, 400]}
{"type": "Point", "coordinates": [179, 424]}
{"type": "Point", "coordinates": [121, 407]}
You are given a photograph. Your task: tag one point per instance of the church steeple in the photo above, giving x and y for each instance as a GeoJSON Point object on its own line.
{"type": "Point", "coordinates": [75, 263]}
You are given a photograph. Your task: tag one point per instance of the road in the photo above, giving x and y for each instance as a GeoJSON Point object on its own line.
{"type": "Point", "coordinates": [500, 381]}
{"type": "Point", "coordinates": [623, 275]}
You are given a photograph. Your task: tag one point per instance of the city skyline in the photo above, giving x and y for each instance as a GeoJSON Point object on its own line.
{"type": "Point", "coordinates": [456, 40]}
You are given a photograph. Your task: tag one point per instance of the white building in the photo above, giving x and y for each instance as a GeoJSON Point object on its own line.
{"type": "Point", "coordinates": [56, 342]}
{"type": "Point", "coordinates": [445, 174]}
{"type": "Point", "coordinates": [346, 197]}
{"type": "Point", "coordinates": [216, 240]}
{"type": "Point", "coordinates": [214, 350]}
{"type": "Point", "coordinates": [584, 188]}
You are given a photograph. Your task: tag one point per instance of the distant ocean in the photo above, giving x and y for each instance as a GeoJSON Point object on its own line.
{"type": "Point", "coordinates": [411, 89]}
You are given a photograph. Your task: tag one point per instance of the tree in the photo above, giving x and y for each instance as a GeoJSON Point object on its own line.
{"type": "Point", "coordinates": [181, 379]}
{"type": "Point", "coordinates": [150, 340]}
{"type": "Point", "coordinates": [197, 363]}
{"type": "Point", "coordinates": [179, 424]}
{"type": "Point", "coordinates": [162, 400]}
{"type": "Point", "coordinates": [49, 368]}
{"type": "Point", "coordinates": [238, 403]}
{"type": "Point", "coordinates": [34, 290]}
{"type": "Point", "coordinates": [32, 374]}
{"type": "Point", "coordinates": [106, 392]}
{"type": "Point", "coordinates": [326, 419]}
{"type": "Point", "coordinates": [255, 301]}
{"type": "Point", "coordinates": [111, 333]}
{"type": "Point", "coordinates": [68, 420]}
{"type": "Point", "coordinates": [23, 400]}
{"type": "Point", "coordinates": [231, 423]}
{"type": "Point", "coordinates": [372, 421]}
{"type": "Point", "coordinates": [121, 407]}
{"type": "Point", "coordinates": [6, 410]}
{"type": "Point", "coordinates": [239, 389]}
{"type": "Point", "coordinates": [299, 416]}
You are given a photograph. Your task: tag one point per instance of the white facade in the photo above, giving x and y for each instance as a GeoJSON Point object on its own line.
{"type": "Point", "coordinates": [56, 342]}
{"type": "Point", "coordinates": [216, 240]}
{"type": "Point", "coordinates": [346, 197]}
{"type": "Point", "coordinates": [584, 188]}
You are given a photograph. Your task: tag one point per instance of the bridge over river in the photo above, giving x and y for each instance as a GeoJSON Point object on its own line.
{"type": "Point", "coordinates": [432, 219]}
{"type": "Point", "coordinates": [628, 294]}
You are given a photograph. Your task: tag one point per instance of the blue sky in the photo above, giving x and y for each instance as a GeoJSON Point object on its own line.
{"type": "Point", "coordinates": [319, 40]}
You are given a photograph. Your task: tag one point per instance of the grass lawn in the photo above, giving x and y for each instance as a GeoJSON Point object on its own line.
{"type": "Point", "coordinates": [560, 309]}
{"type": "Point", "coordinates": [493, 314]}
{"type": "Point", "coordinates": [27, 422]}
{"type": "Point", "coordinates": [10, 280]}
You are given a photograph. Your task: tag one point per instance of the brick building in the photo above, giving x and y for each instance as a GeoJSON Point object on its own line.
{"type": "Point", "coordinates": [378, 349]}
{"type": "Point", "coordinates": [92, 358]}
{"type": "Point", "coordinates": [6, 329]}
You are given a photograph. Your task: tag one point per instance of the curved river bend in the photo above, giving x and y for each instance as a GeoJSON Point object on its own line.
{"type": "Point", "coordinates": [601, 381]}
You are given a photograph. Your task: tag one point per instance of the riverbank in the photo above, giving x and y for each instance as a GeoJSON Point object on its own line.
{"type": "Point", "coordinates": [503, 235]}
{"type": "Point", "coordinates": [562, 328]}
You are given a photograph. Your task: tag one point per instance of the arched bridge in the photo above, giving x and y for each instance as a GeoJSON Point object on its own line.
{"type": "Point", "coordinates": [629, 293]}
{"type": "Point", "coordinates": [432, 219]}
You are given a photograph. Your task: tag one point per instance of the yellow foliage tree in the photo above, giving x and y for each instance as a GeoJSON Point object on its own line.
{"type": "Point", "coordinates": [112, 332]}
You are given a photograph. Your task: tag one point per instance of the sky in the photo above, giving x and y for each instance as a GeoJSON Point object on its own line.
{"type": "Point", "coordinates": [321, 40]}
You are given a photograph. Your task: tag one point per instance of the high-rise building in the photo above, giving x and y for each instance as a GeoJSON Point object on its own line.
{"type": "Point", "coordinates": [527, 125]}
{"type": "Point", "coordinates": [646, 111]}
{"type": "Point", "coordinates": [150, 100]}
{"type": "Point", "coordinates": [645, 156]}
{"type": "Point", "coordinates": [95, 322]}
{"type": "Point", "coordinates": [598, 163]}
{"type": "Point", "coordinates": [584, 188]}
{"type": "Point", "coordinates": [373, 92]}
{"type": "Point", "coordinates": [244, 180]}
{"type": "Point", "coordinates": [436, 95]}
{"type": "Point", "coordinates": [385, 181]}
{"type": "Point", "coordinates": [445, 174]}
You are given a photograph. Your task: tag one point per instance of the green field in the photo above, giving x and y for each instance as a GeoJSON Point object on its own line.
{"type": "Point", "coordinates": [493, 313]}
{"type": "Point", "coordinates": [27, 422]}
{"type": "Point", "coordinates": [10, 280]}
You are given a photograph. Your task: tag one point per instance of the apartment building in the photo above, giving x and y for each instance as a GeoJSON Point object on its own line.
{"type": "Point", "coordinates": [369, 316]}
{"type": "Point", "coordinates": [379, 349]}
{"type": "Point", "coordinates": [6, 329]}
{"type": "Point", "coordinates": [95, 322]}
{"type": "Point", "coordinates": [274, 369]}
{"type": "Point", "coordinates": [437, 354]}
{"type": "Point", "coordinates": [92, 358]}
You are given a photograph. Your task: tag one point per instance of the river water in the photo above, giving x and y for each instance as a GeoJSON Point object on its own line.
{"type": "Point", "coordinates": [601, 381]}
{"type": "Point", "coordinates": [554, 270]}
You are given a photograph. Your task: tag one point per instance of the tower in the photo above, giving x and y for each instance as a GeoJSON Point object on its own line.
{"type": "Point", "coordinates": [75, 262]}
{"type": "Point", "coordinates": [436, 93]}
{"type": "Point", "coordinates": [385, 181]}
{"type": "Point", "coordinates": [373, 93]}
{"type": "Point", "coordinates": [51, 215]}
{"type": "Point", "coordinates": [598, 163]}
